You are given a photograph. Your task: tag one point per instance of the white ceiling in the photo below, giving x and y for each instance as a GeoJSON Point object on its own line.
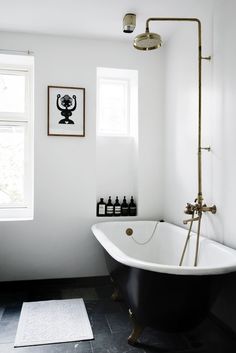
{"type": "Point", "coordinates": [93, 18]}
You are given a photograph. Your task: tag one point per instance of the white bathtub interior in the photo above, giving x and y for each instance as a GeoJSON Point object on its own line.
{"type": "Point", "coordinates": [163, 252]}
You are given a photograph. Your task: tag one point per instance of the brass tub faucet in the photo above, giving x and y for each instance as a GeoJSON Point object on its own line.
{"type": "Point", "coordinates": [186, 221]}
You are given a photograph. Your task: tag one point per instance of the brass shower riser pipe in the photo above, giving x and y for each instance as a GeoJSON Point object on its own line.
{"type": "Point", "coordinates": [200, 58]}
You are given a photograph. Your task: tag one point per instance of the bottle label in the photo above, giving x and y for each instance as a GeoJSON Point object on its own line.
{"type": "Point", "coordinates": [109, 209]}
{"type": "Point", "coordinates": [124, 211]}
{"type": "Point", "coordinates": [102, 209]}
{"type": "Point", "coordinates": [117, 209]}
{"type": "Point", "coordinates": [132, 211]}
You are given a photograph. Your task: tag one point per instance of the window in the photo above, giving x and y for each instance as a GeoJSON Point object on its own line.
{"type": "Point", "coordinates": [115, 101]}
{"type": "Point", "coordinates": [16, 138]}
{"type": "Point", "coordinates": [113, 107]}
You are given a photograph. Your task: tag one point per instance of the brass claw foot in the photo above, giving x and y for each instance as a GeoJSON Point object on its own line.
{"type": "Point", "coordinates": [136, 332]}
{"type": "Point", "coordinates": [116, 296]}
{"type": "Point", "coordinates": [134, 336]}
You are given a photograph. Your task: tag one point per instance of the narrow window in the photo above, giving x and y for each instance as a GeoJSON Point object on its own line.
{"type": "Point", "coordinates": [16, 139]}
{"type": "Point", "coordinates": [115, 101]}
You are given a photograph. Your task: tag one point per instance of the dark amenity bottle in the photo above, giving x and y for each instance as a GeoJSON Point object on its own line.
{"type": "Point", "coordinates": [117, 207]}
{"type": "Point", "coordinates": [101, 208]}
{"type": "Point", "coordinates": [124, 208]}
{"type": "Point", "coordinates": [132, 207]}
{"type": "Point", "coordinates": [109, 208]}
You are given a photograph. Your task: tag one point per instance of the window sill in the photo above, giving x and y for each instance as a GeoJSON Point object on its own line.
{"type": "Point", "coordinates": [16, 214]}
{"type": "Point", "coordinates": [15, 219]}
{"type": "Point", "coordinates": [111, 136]}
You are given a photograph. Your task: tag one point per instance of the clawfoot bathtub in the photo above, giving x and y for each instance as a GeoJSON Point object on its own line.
{"type": "Point", "coordinates": [142, 258]}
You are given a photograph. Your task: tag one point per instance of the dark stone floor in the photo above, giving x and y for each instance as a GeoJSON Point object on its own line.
{"type": "Point", "coordinates": [109, 320]}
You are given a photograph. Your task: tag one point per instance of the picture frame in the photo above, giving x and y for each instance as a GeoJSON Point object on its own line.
{"type": "Point", "coordinates": [66, 111]}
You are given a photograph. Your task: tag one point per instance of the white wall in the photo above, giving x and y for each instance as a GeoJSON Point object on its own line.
{"type": "Point", "coordinates": [218, 117]}
{"type": "Point", "coordinates": [58, 242]}
{"type": "Point", "coordinates": [181, 125]}
{"type": "Point", "coordinates": [219, 126]}
{"type": "Point", "coordinates": [224, 128]}
{"type": "Point", "coordinates": [180, 122]}
{"type": "Point", "coordinates": [117, 173]}
{"type": "Point", "coordinates": [224, 166]}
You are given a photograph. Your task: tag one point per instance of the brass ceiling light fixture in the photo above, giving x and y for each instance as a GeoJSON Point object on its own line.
{"type": "Point", "coordinates": [149, 41]}
{"type": "Point", "coordinates": [129, 23]}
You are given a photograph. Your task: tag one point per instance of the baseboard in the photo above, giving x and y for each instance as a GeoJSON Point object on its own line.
{"type": "Point", "coordinates": [79, 282]}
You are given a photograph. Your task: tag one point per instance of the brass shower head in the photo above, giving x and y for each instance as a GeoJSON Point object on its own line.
{"type": "Point", "coordinates": [147, 41]}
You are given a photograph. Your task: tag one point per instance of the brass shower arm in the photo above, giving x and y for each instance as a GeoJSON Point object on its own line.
{"type": "Point", "coordinates": [177, 19]}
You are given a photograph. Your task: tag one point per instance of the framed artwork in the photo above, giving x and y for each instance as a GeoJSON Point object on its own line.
{"type": "Point", "coordinates": [66, 111]}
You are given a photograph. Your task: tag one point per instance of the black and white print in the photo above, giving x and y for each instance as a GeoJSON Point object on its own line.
{"type": "Point", "coordinates": [66, 116]}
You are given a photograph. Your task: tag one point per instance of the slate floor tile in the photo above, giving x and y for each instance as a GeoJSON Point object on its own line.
{"type": "Point", "coordinates": [119, 322]}
{"type": "Point", "coordinates": [99, 324]}
{"type": "Point", "coordinates": [6, 348]}
{"type": "Point", "coordinates": [72, 347]}
{"type": "Point", "coordinates": [212, 338]}
{"type": "Point", "coordinates": [12, 312]}
{"type": "Point", "coordinates": [36, 295]}
{"type": "Point", "coordinates": [8, 331]}
{"type": "Point", "coordinates": [9, 298]}
{"type": "Point", "coordinates": [1, 311]}
{"type": "Point", "coordinates": [153, 340]}
{"type": "Point", "coordinates": [113, 350]}
{"type": "Point", "coordinates": [85, 293]}
{"type": "Point", "coordinates": [110, 324]}
{"type": "Point", "coordinates": [113, 343]}
{"type": "Point", "coordinates": [102, 307]}
{"type": "Point", "coordinates": [104, 292]}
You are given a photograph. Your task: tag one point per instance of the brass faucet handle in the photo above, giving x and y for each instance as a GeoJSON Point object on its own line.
{"type": "Point", "coordinates": [189, 209]}
{"type": "Point", "coordinates": [211, 209]}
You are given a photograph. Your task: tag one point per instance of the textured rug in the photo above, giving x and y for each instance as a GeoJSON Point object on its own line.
{"type": "Point", "coordinates": [53, 321]}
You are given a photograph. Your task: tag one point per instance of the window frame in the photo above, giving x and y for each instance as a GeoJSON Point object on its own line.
{"type": "Point", "coordinates": [22, 210]}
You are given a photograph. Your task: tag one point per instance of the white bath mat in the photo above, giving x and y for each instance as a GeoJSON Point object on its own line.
{"type": "Point", "coordinates": [53, 321]}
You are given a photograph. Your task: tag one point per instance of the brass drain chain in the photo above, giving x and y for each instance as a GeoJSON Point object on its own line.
{"type": "Point", "coordinates": [129, 232]}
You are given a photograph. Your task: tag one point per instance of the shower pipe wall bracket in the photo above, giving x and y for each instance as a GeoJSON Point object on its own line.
{"type": "Point", "coordinates": [197, 208]}
{"type": "Point", "coordinates": [207, 148]}
{"type": "Point", "coordinates": [206, 58]}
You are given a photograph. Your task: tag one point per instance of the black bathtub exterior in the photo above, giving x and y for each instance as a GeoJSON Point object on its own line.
{"type": "Point", "coordinates": [167, 302]}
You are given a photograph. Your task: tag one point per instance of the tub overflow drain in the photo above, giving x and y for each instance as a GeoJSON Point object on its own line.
{"type": "Point", "coordinates": [129, 231]}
